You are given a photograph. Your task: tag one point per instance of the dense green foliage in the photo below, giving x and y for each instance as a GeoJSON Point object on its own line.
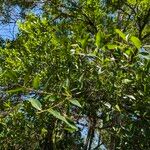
{"type": "Point", "coordinates": [81, 66]}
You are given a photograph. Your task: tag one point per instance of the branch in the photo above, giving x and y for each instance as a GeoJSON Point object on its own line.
{"type": "Point", "coordinates": [133, 9]}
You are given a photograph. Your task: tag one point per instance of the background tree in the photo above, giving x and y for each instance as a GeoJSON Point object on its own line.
{"type": "Point", "coordinates": [77, 78]}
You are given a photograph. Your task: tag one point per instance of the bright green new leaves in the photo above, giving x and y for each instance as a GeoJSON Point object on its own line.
{"type": "Point", "coordinates": [136, 42]}
{"type": "Point", "coordinates": [121, 34]}
{"type": "Point", "coordinates": [89, 2]}
{"type": "Point", "coordinates": [36, 82]}
{"type": "Point", "coordinates": [98, 39]}
{"type": "Point", "coordinates": [133, 2]}
{"type": "Point", "coordinates": [112, 46]}
{"type": "Point", "coordinates": [118, 108]}
{"type": "Point", "coordinates": [75, 102]}
{"type": "Point", "coordinates": [35, 103]}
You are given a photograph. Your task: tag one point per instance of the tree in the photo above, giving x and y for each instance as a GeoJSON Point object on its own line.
{"type": "Point", "coordinates": [77, 67]}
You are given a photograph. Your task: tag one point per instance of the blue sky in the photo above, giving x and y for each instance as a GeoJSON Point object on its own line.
{"type": "Point", "coordinates": [9, 30]}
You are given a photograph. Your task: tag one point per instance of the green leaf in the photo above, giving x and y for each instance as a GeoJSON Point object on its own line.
{"type": "Point", "coordinates": [121, 34]}
{"type": "Point", "coordinates": [43, 131]}
{"type": "Point", "coordinates": [128, 51]}
{"type": "Point", "coordinates": [50, 98]}
{"type": "Point", "coordinates": [89, 2]}
{"type": "Point", "coordinates": [35, 103]}
{"type": "Point", "coordinates": [136, 42]}
{"type": "Point", "coordinates": [127, 37]}
{"type": "Point", "coordinates": [126, 81]}
{"type": "Point", "coordinates": [57, 115]}
{"type": "Point", "coordinates": [84, 41]}
{"type": "Point", "coordinates": [131, 96]}
{"type": "Point", "coordinates": [69, 129]}
{"type": "Point", "coordinates": [15, 90]}
{"type": "Point", "coordinates": [118, 108]}
{"type": "Point", "coordinates": [112, 46]}
{"type": "Point", "coordinates": [132, 2]}
{"type": "Point", "coordinates": [67, 83]}
{"type": "Point", "coordinates": [75, 102]}
{"type": "Point", "coordinates": [81, 78]}
{"type": "Point", "coordinates": [36, 82]}
{"type": "Point", "coordinates": [98, 39]}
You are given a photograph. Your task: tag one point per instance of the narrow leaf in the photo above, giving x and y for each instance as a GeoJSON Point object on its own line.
{"type": "Point", "coordinates": [136, 42]}
{"type": "Point", "coordinates": [15, 90]}
{"type": "Point", "coordinates": [121, 34]}
{"type": "Point", "coordinates": [57, 115]}
{"type": "Point", "coordinates": [112, 46]}
{"type": "Point", "coordinates": [69, 129]}
{"type": "Point", "coordinates": [35, 103]}
{"type": "Point", "coordinates": [131, 96]}
{"type": "Point", "coordinates": [36, 82]}
{"type": "Point", "coordinates": [98, 39]}
{"type": "Point", "coordinates": [75, 102]}
{"type": "Point", "coordinates": [118, 108]}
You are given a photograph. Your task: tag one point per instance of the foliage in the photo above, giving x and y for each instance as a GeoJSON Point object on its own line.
{"type": "Point", "coordinates": [74, 69]}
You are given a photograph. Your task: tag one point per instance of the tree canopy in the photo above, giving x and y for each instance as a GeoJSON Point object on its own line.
{"type": "Point", "coordinates": [77, 77]}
